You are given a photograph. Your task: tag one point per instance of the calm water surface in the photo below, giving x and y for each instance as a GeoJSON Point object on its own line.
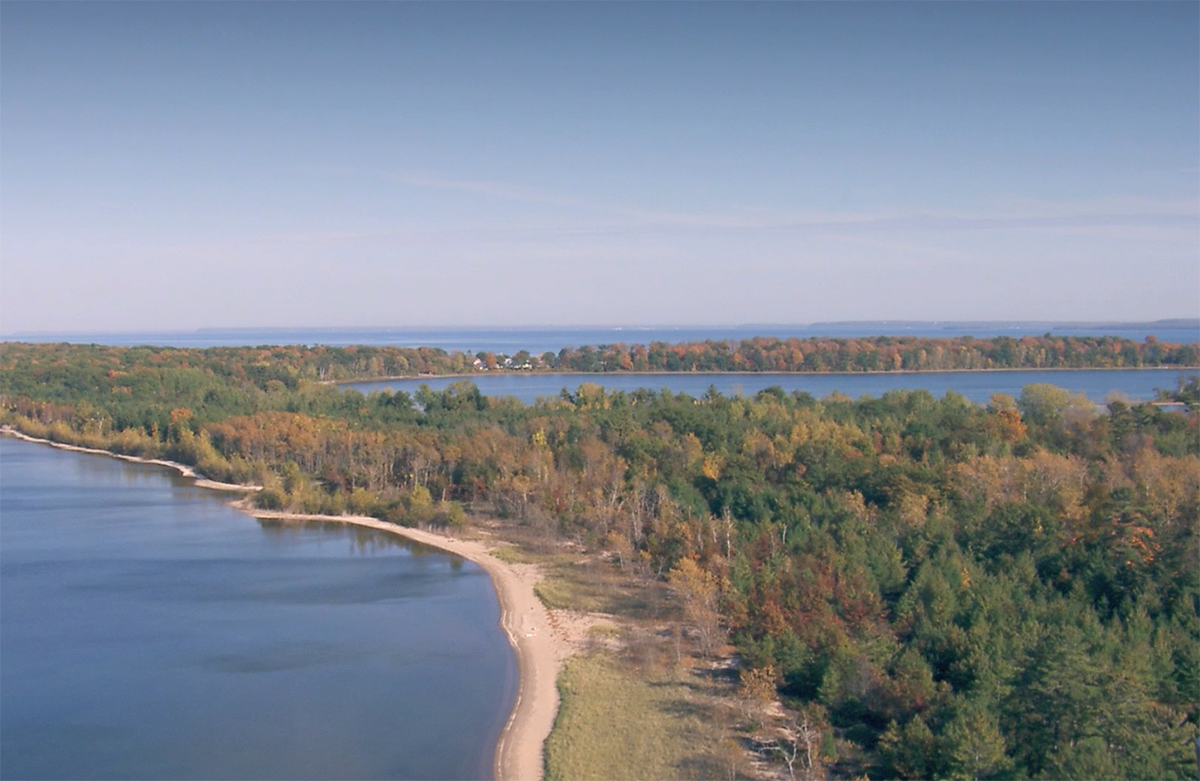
{"type": "Point", "coordinates": [1097, 384]}
{"type": "Point", "coordinates": [147, 630]}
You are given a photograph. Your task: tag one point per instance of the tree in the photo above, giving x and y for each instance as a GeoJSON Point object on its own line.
{"type": "Point", "coordinates": [1076, 714]}
{"type": "Point", "coordinates": [699, 593]}
{"type": "Point", "coordinates": [974, 745]}
{"type": "Point", "coordinates": [911, 751]}
{"type": "Point", "coordinates": [1042, 403]}
{"type": "Point", "coordinates": [799, 742]}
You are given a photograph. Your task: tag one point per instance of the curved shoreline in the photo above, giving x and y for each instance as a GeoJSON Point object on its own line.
{"type": "Point", "coordinates": [524, 619]}
{"type": "Point", "coordinates": [183, 469]}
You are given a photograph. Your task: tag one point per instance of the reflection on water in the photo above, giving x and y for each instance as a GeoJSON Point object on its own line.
{"type": "Point", "coordinates": [364, 540]}
{"type": "Point", "coordinates": [147, 630]}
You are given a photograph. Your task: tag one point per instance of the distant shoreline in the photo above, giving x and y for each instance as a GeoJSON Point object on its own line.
{"type": "Point", "coordinates": [523, 617]}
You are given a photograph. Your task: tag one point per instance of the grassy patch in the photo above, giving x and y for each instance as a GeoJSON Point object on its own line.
{"type": "Point", "coordinates": [590, 584]}
{"type": "Point", "coordinates": [553, 595]}
{"type": "Point", "coordinates": [510, 554]}
{"type": "Point", "coordinates": [615, 723]}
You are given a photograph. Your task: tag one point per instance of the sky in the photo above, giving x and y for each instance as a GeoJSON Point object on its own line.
{"type": "Point", "coordinates": [213, 164]}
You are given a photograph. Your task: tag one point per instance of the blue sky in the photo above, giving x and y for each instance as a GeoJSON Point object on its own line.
{"type": "Point", "coordinates": [182, 165]}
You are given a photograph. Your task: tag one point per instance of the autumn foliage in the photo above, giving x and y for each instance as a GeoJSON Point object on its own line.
{"type": "Point", "coordinates": [950, 589]}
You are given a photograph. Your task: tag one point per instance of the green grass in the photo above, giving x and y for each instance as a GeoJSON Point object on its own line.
{"type": "Point", "coordinates": [510, 554]}
{"type": "Point", "coordinates": [618, 724]}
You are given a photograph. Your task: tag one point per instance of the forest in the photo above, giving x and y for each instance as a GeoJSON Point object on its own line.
{"type": "Point", "coordinates": [939, 589]}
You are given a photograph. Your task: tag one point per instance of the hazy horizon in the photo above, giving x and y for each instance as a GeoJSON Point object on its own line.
{"type": "Point", "coordinates": [1172, 322]}
{"type": "Point", "coordinates": [537, 340]}
{"type": "Point", "coordinates": [170, 167]}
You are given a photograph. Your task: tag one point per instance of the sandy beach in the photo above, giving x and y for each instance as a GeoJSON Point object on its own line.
{"type": "Point", "coordinates": [541, 638]}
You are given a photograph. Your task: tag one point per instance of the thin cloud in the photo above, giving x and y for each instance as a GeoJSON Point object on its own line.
{"type": "Point", "coordinates": [1105, 213]}
{"type": "Point", "coordinates": [942, 222]}
{"type": "Point", "coordinates": [496, 190]}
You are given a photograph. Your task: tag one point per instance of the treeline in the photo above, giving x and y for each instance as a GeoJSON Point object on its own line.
{"type": "Point", "coordinates": [291, 365]}
{"type": "Point", "coordinates": [879, 354]}
{"type": "Point", "coordinates": [127, 368]}
{"type": "Point", "coordinates": [943, 589]}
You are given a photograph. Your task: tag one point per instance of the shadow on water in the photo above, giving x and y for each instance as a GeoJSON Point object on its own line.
{"type": "Point", "coordinates": [365, 541]}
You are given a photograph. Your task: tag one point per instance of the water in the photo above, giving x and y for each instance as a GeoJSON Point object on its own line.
{"type": "Point", "coordinates": [539, 340]}
{"type": "Point", "coordinates": [147, 630]}
{"type": "Point", "coordinates": [1097, 384]}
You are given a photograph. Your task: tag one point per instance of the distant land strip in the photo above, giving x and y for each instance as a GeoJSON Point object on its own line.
{"type": "Point", "coordinates": [120, 369]}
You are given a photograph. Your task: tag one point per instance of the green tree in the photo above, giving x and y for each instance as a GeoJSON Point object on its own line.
{"type": "Point", "coordinates": [973, 744]}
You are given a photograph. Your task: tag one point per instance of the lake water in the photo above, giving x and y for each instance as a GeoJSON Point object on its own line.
{"type": "Point", "coordinates": [1097, 384]}
{"type": "Point", "coordinates": [148, 630]}
{"type": "Point", "coordinates": [540, 340]}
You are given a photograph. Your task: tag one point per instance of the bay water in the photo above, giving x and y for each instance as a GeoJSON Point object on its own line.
{"type": "Point", "coordinates": [148, 630]}
{"type": "Point", "coordinates": [1097, 384]}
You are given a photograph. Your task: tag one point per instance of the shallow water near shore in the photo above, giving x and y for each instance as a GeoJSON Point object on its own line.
{"type": "Point", "coordinates": [148, 630]}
